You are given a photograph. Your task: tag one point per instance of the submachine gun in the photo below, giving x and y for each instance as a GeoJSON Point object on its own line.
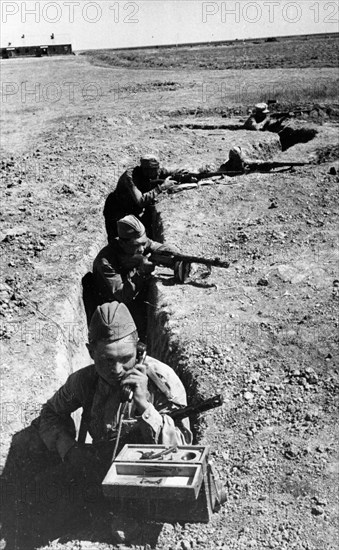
{"type": "Point", "coordinates": [181, 263]}
{"type": "Point", "coordinates": [194, 410]}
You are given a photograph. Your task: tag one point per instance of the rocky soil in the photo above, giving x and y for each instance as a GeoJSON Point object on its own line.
{"type": "Point", "coordinates": [264, 331]}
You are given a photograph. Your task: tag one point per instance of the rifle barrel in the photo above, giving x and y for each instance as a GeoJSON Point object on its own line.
{"type": "Point", "coordinates": [273, 164]}
{"type": "Point", "coordinates": [291, 113]}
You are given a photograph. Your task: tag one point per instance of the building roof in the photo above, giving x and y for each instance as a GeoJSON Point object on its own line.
{"type": "Point", "coordinates": [30, 40]}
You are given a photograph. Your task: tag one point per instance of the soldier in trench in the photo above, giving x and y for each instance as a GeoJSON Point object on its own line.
{"type": "Point", "coordinates": [259, 119]}
{"type": "Point", "coordinates": [137, 190]}
{"type": "Point", "coordinates": [48, 452]}
{"type": "Point", "coordinates": [122, 270]}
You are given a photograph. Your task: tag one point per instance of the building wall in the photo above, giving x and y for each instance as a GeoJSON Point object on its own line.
{"type": "Point", "coordinates": [36, 51]}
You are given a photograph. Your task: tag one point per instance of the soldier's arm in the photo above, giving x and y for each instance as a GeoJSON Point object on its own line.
{"type": "Point", "coordinates": [252, 124]}
{"type": "Point", "coordinates": [115, 287]}
{"type": "Point", "coordinates": [180, 175]}
{"type": "Point", "coordinates": [156, 248]}
{"type": "Point", "coordinates": [56, 427]}
{"type": "Point", "coordinates": [155, 423]}
{"type": "Point", "coordinates": [139, 198]}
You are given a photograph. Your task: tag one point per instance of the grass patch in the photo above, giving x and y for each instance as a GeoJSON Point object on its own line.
{"type": "Point", "coordinates": [286, 52]}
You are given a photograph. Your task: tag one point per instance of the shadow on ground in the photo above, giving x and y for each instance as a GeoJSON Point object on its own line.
{"type": "Point", "coordinates": [43, 499]}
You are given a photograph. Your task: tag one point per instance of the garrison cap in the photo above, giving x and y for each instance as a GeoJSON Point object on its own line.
{"type": "Point", "coordinates": [149, 161]}
{"type": "Point", "coordinates": [130, 228]}
{"type": "Point", "coordinates": [261, 108]}
{"type": "Point", "coordinates": [111, 322]}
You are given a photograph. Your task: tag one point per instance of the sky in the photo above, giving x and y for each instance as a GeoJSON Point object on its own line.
{"type": "Point", "coordinates": [117, 23]}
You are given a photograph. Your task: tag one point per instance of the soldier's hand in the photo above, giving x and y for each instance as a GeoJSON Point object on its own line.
{"type": "Point", "coordinates": [185, 176]}
{"type": "Point", "coordinates": [137, 379]}
{"type": "Point", "coordinates": [168, 184]}
{"type": "Point", "coordinates": [131, 262]}
{"type": "Point", "coordinates": [145, 266]}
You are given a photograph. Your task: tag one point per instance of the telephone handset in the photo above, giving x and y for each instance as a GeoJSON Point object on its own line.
{"type": "Point", "coordinates": [126, 391]}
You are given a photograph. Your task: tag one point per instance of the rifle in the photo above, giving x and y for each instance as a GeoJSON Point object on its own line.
{"type": "Point", "coordinates": [251, 166]}
{"type": "Point", "coordinates": [193, 410]}
{"type": "Point", "coordinates": [248, 166]}
{"type": "Point", "coordinates": [168, 259]}
{"type": "Point", "coordinates": [189, 176]}
{"type": "Point", "coordinates": [290, 114]}
{"type": "Point", "coordinates": [266, 166]}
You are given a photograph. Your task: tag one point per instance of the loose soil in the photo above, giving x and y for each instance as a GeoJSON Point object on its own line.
{"type": "Point", "coordinates": [264, 331]}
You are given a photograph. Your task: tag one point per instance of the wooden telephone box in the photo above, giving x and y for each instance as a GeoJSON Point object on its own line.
{"type": "Point", "coordinates": [175, 486]}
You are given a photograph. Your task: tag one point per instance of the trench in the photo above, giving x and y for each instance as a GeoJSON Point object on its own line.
{"type": "Point", "coordinates": [288, 134]}
{"type": "Point", "coordinates": [290, 137]}
{"type": "Point", "coordinates": [155, 327]}
{"type": "Point", "coordinates": [153, 323]}
{"type": "Point", "coordinates": [66, 358]}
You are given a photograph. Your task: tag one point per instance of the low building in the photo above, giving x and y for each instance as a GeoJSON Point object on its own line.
{"type": "Point", "coordinates": [36, 51]}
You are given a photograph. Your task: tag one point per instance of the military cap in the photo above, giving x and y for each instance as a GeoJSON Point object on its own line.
{"type": "Point", "coordinates": [149, 161]}
{"type": "Point", "coordinates": [262, 108]}
{"type": "Point", "coordinates": [111, 322]}
{"type": "Point", "coordinates": [130, 228]}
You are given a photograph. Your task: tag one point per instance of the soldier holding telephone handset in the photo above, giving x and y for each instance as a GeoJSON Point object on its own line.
{"type": "Point", "coordinates": [102, 387]}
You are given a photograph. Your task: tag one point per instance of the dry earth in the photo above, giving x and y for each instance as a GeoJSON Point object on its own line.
{"type": "Point", "coordinates": [264, 331]}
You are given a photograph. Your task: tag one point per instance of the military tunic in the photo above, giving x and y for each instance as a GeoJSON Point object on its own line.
{"type": "Point", "coordinates": [133, 194]}
{"type": "Point", "coordinates": [115, 276]}
{"type": "Point", "coordinates": [57, 430]}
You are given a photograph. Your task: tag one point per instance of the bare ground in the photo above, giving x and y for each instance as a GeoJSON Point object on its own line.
{"type": "Point", "coordinates": [263, 331]}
